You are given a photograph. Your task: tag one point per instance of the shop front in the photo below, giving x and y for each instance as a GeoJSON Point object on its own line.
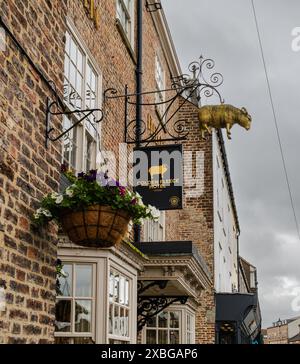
{"type": "Point", "coordinates": [238, 319]}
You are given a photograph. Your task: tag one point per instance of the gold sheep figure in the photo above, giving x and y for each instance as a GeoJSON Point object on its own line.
{"type": "Point", "coordinates": [222, 116]}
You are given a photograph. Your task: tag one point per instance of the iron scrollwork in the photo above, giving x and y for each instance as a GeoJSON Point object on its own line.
{"type": "Point", "coordinates": [143, 286]}
{"type": "Point", "coordinates": [148, 307]}
{"type": "Point", "coordinates": [57, 108]}
{"type": "Point", "coordinates": [184, 88]}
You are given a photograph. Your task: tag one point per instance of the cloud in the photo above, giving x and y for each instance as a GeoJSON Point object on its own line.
{"type": "Point", "coordinates": [225, 31]}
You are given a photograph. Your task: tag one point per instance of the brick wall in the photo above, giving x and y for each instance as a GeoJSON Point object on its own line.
{"type": "Point", "coordinates": [27, 169]}
{"type": "Point", "coordinates": [195, 221]}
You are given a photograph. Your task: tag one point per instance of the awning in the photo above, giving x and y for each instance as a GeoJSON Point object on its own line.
{"type": "Point", "coordinates": [242, 308]}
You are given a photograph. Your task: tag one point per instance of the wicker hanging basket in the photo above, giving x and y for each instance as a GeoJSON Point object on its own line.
{"type": "Point", "coordinates": [95, 226]}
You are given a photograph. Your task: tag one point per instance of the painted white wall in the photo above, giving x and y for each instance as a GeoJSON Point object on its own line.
{"type": "Point", "coordinates": [225, 230]}
{"type": "Point", "coordinates": [294, 328]}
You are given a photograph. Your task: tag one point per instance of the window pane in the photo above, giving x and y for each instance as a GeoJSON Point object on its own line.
{"type": "Point", "coordinates": [80, 61]}
{"type": "Point", "coordinates": [126, 323]}
{"type": "Point", "coordinates": [151, 337]}
{"type": "Point", "coordinates": [174, 319]}
{"type": "Point", "coordinates": [67, 48]}
{"type": "Point", "coordinates": [188, 322]}
{"type": "Point", "coordinates": [73, 51]}
{"type": "Point", "coordinates": [116, 321]}
{"type": "Point", "coordinates": [151, 322]}
{"type": "Point", "coordinates": [83, 311]}
{"type": "Point", "coordinates": [83, 281]}
{"type": "Point", "coordinates": [163, 319]}
{"type": "Point", "coordinates": [63, 316]}
{"type": "Point", "coordinates": [110, 319]}
{"type": "Point", "coordinates": [127, 292]}
{"type": "Point", "coordinates": [122, 290]}
{"type": "Point", "coordinates": [174, 337]}
{"type": "Point", "coordinates": [116, 288]}
{"type": "Point", "coordinates": [162, 337]}
{"type": "Point", "coordinates": [65, 283]}
{"type": "Point", "coordinates": [122, 322]}
{"type": "Point", "coordinates": [111, 287]}
{"type": "Point", "coordinates": [72, 75]}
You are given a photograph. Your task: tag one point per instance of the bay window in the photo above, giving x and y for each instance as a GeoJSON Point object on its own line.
{"type": "Point", "coordinates": [81, 91]}
{"type": "Point", "coordinates": [175, 325]}
{"type": "Point", "coordinates": [96, 299]}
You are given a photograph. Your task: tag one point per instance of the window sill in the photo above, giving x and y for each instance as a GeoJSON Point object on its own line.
{"type": "Point", "coordinates": [126, 40]}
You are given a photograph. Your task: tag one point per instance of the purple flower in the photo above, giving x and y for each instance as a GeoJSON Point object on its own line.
{"type": "Point", "coordinates": [102, 179]}
{"type": "Point", "coordinates": [112, 182]}
{"type": "Point", "coordinates": [81, 175]}
{"type": "Point", "coordinates": [134, 201]}
{"type": "Point", "coordinates": [92, 176]}
{"type": "Point", "coordinates": [63, 168]}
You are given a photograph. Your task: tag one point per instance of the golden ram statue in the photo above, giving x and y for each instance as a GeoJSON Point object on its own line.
{"type": "Point", "coordinates": [222, 116]}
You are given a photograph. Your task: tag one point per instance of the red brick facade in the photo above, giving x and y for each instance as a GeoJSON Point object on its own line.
{"type": "Point", "coordinates": [28, 170]}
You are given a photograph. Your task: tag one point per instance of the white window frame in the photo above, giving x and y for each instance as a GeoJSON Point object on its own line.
{"type": "Point", "coordinates": [104, 260]}
{"type": "Point", "coordinates": [129, 14]}
{"type": "Point", "coordinates": [72, 334]}
{"type": "Point", "coordinates": [183, 311]}
{"type": "Point", "coordinates": [83, 131]}
{"type": "Point", "coordinates": [121, 339]}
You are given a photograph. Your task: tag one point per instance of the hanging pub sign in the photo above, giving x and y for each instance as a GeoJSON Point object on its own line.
{"type": "Point", "coordinates": [158, 176]}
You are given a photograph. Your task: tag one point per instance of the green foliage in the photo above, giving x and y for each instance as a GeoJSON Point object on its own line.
{"type": "Point", "coordinates": [92, 189]}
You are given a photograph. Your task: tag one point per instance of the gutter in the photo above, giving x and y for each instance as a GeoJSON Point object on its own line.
{"type": "Point", "coordinates": [228, 177]}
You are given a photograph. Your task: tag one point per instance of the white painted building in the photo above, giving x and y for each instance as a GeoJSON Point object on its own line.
{"type": "Point", "coordinates": [226, 227]}
{"type": "Point", "coordinates": [293, 328]}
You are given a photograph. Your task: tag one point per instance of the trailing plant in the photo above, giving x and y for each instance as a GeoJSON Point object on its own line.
{"type": "Point", "coordinates": [93, 188]}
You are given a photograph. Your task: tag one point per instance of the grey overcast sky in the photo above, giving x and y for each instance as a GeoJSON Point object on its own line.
{"type": "Point", "coordinates": [225, 31]}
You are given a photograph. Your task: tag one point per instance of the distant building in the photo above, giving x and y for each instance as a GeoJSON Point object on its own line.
{"type": "Point", "coordinates": [284, 332]}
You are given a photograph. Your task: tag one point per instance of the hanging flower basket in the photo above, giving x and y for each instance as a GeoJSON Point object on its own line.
{"type": "Point", "coordinates": [96, 226]}
{"type": "Point", "coordinates": [94, 211]}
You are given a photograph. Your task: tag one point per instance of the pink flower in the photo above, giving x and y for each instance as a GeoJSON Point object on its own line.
{"type": "Point", "coordinates": [122, 191]}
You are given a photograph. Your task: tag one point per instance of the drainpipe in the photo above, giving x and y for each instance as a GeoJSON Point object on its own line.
{"type": "Point", "coordinates": [139, 71]}
{"type": "Point", "coordinates": [139, 80]}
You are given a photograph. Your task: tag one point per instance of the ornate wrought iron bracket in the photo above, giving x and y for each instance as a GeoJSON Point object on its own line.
{"type": "Point", "coordinates": [142, 287]}
{"type": "Point", "coordinates": [53, 109]}
{"type": "Point", "coordinates": [183, 88]}
{"type": "Point", "coordinates": [148, 307]}
{"type": "Point", "coordinates": [151, 8]}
